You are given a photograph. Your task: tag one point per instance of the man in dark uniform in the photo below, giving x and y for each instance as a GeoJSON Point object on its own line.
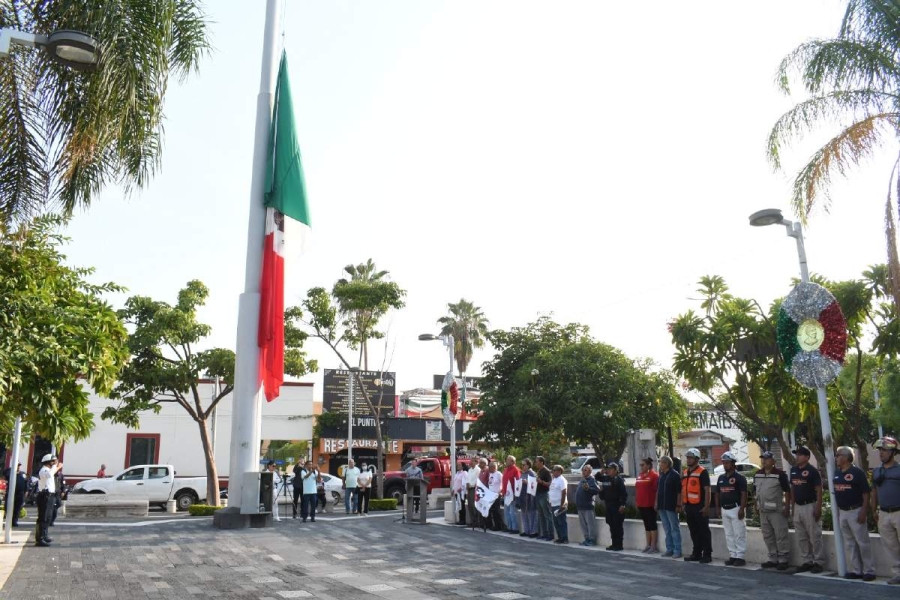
{"type": "Point", "coordinates": [732, 497]}
{"type": "Point", "coordinates": [806, 498]}
{"type": "Point", "coordinates": [886, 497]}
{"type": "Point", "coordinates": [695, 496]}
{"type": "Point", "coordinates": [19, 500]}
{"type": "Point", "coordinates": [851, 494]}
{"type": "Point", "coordinates": [614, 496]}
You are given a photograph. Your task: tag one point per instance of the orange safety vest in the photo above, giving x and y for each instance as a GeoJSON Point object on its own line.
{"type": "Point", "coordinates": [691, 488]}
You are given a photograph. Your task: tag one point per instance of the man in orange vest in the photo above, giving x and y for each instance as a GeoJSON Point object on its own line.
{"type": "Point", "coordinates": [695, 496]}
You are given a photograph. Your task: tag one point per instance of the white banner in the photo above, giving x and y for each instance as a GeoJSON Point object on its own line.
{"type": "Point", "coordinates": [484, 498]}
{"type": "Point", "coordinates": [509, 496]}
{"type": "Point", "coordinates": [532, 486]}
{"type": "Point", "coordinates": [518, 490]}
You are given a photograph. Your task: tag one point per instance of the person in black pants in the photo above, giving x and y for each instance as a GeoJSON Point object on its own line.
{"type": "Point", "coordinates": [297, 483]}
{"type": "Point", "coordinates": [614, 495]}
{"type": "Point", "coordinates": [45, 496]}
{"type": "Point", "coordinates": [696, 494]}
{"type": "Point", "coordinates": [19, 500]}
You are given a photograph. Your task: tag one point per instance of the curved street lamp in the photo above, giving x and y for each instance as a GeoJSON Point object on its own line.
{"type": "Point", "coordinates": [73, 49]}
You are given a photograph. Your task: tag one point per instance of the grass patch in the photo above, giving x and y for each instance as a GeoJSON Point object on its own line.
{"type": "Point", "coordinates": [202, 510]}
{"type": "Point", "coordinates": [383, 504]}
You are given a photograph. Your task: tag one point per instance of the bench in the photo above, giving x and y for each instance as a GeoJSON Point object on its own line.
{"type": "Point", "coordinates": [105, 506]}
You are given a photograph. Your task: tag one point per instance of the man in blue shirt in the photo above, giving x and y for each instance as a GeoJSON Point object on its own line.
{"type": "Point", "coordinates": [668, 505]}
{"type": "Point", "coordinates": [851, 491]}
{"type": "Point", "coordinates": [886, 496]}
{"type": "Point", "coordinates": [584, 502]}
{"type": "Point", "coordinates": [806, 498]}
{"type": "Point", "coordinates": [308, 476]}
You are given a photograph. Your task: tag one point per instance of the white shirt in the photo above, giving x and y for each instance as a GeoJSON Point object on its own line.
{"type": "Point", "coordinates": [364, 479]}
{"type": "Point", "coordinates": [46, 480]}
{"type": "Point", "coordinates": [474, 472]}
{"type": "Point", "coordinates": [459, 484]}
{"type": "Point", "coordinates": [495, 480]}
{"type": "Point", "coordinates": [276, 481]}
{"type": "Point", "coordinates": [557, 486]}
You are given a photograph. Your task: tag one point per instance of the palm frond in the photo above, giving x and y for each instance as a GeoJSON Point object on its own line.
{"type": "Point", "coordinates": [840, 64]}
{"type": "Point", "coordinates": [893, 260]}
{"type": "Point", "coordinates": [876, 20]}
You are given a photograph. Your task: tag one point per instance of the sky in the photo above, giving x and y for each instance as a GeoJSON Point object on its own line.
{"type": "Point", "coordinates": [586, 160]}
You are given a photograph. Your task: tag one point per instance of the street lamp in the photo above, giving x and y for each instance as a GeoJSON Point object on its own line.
{"type": "Point", "coordinates": [448, 342]}
{"type": "Point", "coordinates": [73, 49]}
{"type": "Point", "coordinates": [353, 372]}
{"type": "Point", "coordinates": [773, 216]}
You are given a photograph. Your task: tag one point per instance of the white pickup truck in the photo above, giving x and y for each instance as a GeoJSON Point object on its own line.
{"type": "Point", "coordinates": [155, 483]}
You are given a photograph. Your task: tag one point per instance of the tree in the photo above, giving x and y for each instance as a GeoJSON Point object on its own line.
{"type": "Point", "coordinates": [64, 134]}
{"type": "Point", "coordinates": [854, 81]}
{"type": "Point", "coordinates": [55, 332]}
{"type": "Point", "coordinates": [166, 366]}
{"type": "Point", "coordinates": [469, 328]}
{"type": "Point", "coordinates": [372, 299]}
{"type": "Point", "coordinates": [362, 301]}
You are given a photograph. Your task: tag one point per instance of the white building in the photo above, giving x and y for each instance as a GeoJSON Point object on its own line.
{"type": "Point", "coordinates": [172, 437]}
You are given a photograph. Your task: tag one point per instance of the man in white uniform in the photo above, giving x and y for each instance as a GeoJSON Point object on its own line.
{"type": "Point", "coordinates": [276, 487]}
{"type": "Point", "coordinates": [45, 498]}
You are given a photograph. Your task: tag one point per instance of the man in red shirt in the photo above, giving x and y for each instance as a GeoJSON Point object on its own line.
{"type": "Point", "coordinates": [511, 475]}
{"type": "Point", "coordinates": [102, 472]}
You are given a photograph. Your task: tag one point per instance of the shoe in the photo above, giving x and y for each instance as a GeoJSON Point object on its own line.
{"type": "Point", "coordinates": [805, 567]}
{"type": "Point", "coordinates": [618, 549]}
{"type": "Point", "coordinates": [558, 541]}
{"type": "Point", "coordinates": [42, 544]}
{"type": "Point", "coordinates": [676, 556]}
{"type": "Point", "coordinates": [706, 560]}
{"type": "Point", "coordinates": [739, 562]}
{"type": "Point", "coordinates": [894, 581]}
{"type": "Point", "coordinates": [294, 517]}
{"type": "Point", "coordinates": [815, 568]}
{"type": "Point", "coordinates": [653, 551]}
{"type": "Point", "coordinates": [48, 540]}
{"type": "Point", "coordinates": [567, 541]}
{"type": "Point", "coordinates": [869, 577]}
{"type": "Point", "coordinates": [769, 565]}
{"type": "Point", "coordinates": [645, 550]}
{"type": "Point", "coordinates": [584, 543]}
{"type": "Point", "coordinates": [729, 562]}
{"type": "Point", "coordinates": [852, 576]}
{"type": "Point", "coordinates": [691, 558]}
{"type": "Point", "coordinates": [304, 521]}
{"type": "Point", "coordinates": [312, 520]}
{"type": "Point", "coordinates": [533, 536]}
{"type": "Point", "coordinates": [782, 566]}
{"type": "Point", "coordinates": [668, 554]}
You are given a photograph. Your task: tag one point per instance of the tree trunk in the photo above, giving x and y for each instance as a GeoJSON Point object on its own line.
{"type": "Point", "coordinates": [212, 475]}
{"type": "Point", "coordinates": [785, 447]}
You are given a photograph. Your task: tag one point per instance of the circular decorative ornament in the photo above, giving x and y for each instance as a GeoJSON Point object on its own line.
{"type": "Point", "coordinates": [812, 335]}
{"type": "Point", "coordinates": [449, 399]}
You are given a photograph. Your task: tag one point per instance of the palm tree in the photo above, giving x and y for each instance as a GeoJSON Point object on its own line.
{"type": "Point", "coordinates": [468, 326]}
{"type": "Point", "coordinates": [363, 272]}
{"type": "Point", "coordinates": [66, 134]}
{"type": "Point", "coordinates": [854, 80]}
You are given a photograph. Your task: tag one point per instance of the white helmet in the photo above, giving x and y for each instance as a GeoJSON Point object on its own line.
{"type": "Point", "coordinates": [47, 458]}
{"type": "Point", "coordinates": [692, 452]}
{"type": "Point", "coordinates": [728, 456]}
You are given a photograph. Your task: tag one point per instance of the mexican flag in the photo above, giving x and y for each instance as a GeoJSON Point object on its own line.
{"type": "Point", "coordinates": [285, 197]}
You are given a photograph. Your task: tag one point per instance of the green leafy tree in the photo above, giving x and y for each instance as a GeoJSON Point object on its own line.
{"type": "Point", "coordinates": [469, 328]}
{"type": "Point", "coordinates": [328, 321]}
{"type": "Point", "coordinates": [66, 134]}
{"type": "Point", "coordinates": [55, 332]}
{"type": "Point", "coordinates": [362, 301]}
{"type": "Point", "coordinates": [166, 366]}
{"type": "Point", "coordinates": [853, 81]}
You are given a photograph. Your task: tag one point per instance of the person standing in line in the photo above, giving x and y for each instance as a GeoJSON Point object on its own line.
{"type": "Point", "coordinates": [527, 502]}
{"type": "Point", "coordinates": [886, 497]}
{"type": "Point", "coordinates": [46, 492]}
{"type": "Point", "coordinates": [773, 503]}
{"type": "Point", "coordinates": [614, 497]}
{"type": "Point", "coordinates": [668, 504]}
{"type": "Point", "coordinates": [471, 483]}
{"type": "Point", "coordinates": [645, 488]}
{"type": "Point", "coordinates": [297, 484]}
{"type": "Point", "coordinates": [545, 514]}
{"type": "Point", "coordinates": [102, 472]}
{"type": "Point", "coordinates": [511, 475]}
{"type": "Point", "coordinates": [806, 500]}
{"type": "Point", "coordinates": [19, 500]}
{"type": "Point", "coordinates": [276, 487]}
{"type": "Point", "coordinates": [584, 503]}
{"type": "Point", "coordinates": [60, 484]}
{"type": "Point", "coordinates": [851, 491]}
{"type": "Point", "coordinates": [309, 480]}
{"type": "Point", "coordinates": [732, 497]}
{"type": "Point", "coordinates": [695, 502]}
{"type": "Point", "coordinates": [459, 491]}
{"type": "Point", "coordinates": [351, 473]}
{"type": "Point", "coordinates": [495, 484]}
{"type": "Point", "coordinates": [364, 484]}
{"type": "Point", "coordinates": [559, 504]}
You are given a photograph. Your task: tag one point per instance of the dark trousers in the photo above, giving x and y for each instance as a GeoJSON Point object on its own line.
{"type": "Point", "coordinates": [699, 528]}
{"type": "Point", "coordinates": [496, 515]}
{"type": "Point", "coordinates": [17, 505]}
{"type": "Point", "coordinates": [54, 508]}
{"type": "Point", "coordinates": [45, 506]}
{"type": "Point", "coordinates": [298, 492]}
{"type": "Point", "coordinates": [616, 524]}
{"type": "Point", "coordinates": [362, 503]}
{"type": "Point", "coordinates": [322, 500]}
{"type": "Point", "coordinates": [461, 517]}
{"type": "Point", "coordinates": [308, 507]}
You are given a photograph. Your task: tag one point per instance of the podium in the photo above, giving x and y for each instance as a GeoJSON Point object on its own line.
{"type": "Point", "coordinates": [416, 493]}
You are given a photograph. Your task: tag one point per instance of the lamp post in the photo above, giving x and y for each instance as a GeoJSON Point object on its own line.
{"type": "Point", "coordinates": [353, 372]}
{"type": "Point", "coordinates": [448, 342]}
{"type": "Point", "coordinates": [80, 52]}
{"type": "Point", "coordinates": [773, 216]}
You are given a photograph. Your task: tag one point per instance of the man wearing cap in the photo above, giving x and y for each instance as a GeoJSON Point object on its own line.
{"type": "Point", "coordinates": [851, 494]}
{"type": "Point", "coordinates": [773, 503]}
{"type": "Point", "coordinates": [886, 497]}
{"type": "Point", "coordinates": [614, 496]}
{"type": "Point", "coordinates": [732, 496]}
{"type": "Point", "coordinates": [806, 500]}
{"type": "Point", "coordinates": [45, 496]}
{"type": "Point", "coordinates": [695, 500]}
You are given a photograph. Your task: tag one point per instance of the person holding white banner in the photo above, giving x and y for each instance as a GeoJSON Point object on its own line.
{"type": "Point", "coordinates": [459, 492]}
{"type": "Point", "coordinates": [527, 501]}
{"type": "Point", "coordinates": [495, 484]}
{"type": "Point", "coordinates": [512, 486]}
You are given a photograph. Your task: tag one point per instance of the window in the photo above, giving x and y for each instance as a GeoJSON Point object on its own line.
{"type": "Point", "coordinates": [141, 449]}
{"type": "Point", "coordinates": [427, 467]}
{"type": "Point", "coordinates": [158, 473]}
{"type": "Point", "coordinates": [132, 474]}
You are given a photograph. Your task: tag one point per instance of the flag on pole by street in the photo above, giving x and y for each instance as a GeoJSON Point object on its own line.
{"type": "Point", "coordinates": [285, 197]}
{"type": "Point", "coordinates": [484, 499]}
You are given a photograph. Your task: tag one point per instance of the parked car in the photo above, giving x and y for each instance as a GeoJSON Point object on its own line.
{"type": "Point", "coordinates": [436, 469]}
{"type": "Point", "coordinates": [157, 483]}
{"type": "Point", "coordinates": [744, 468]}
{"type": "Point", "coordinates": [579, 461]}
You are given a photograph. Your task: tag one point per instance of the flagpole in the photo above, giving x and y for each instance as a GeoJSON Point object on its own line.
{"type": "Point", "coordinates": [247, 398]}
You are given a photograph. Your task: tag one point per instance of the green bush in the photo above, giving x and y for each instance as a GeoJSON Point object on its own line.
{"type": "Point", "coordinates": [202, 510]}
{"type": "Point", "coordinates": [383, 504]}
{"type": "Point", "coordinates": [23, 513]}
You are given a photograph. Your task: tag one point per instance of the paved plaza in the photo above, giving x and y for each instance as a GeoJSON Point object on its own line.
{"type": "Point", "coordinates": [345, 558]}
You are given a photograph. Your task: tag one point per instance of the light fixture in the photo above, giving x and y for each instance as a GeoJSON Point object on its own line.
{"type": "Point", "coordinates": [427, 337]}
{"type": "Point", "coordinates": [768, 216]}
{"type": "Point", "coordinates": [73, 49]}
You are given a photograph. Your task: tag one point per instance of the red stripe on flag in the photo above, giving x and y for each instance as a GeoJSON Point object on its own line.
{"type": "Point", "coordinates": [270, 337]}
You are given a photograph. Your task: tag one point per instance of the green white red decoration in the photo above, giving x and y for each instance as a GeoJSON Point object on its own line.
{"type": "Point", "coordinates": [449, 399]}
{"type": "Point", "coordinates": [812, 335]}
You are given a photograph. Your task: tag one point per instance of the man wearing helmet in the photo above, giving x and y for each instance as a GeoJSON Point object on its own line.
{"type": "Point", "coordinates": [886, 497]}
{"type": "Point", "coordinates": [46, 495]}
{"type": "Point", "coordinates": [773, 502]}
{"type": "Point", "coordinates": [695, 496]}
{"type": "Point", "coordinates": [732, 498]}
{"type": "Point", "coordinates": [806, 497]}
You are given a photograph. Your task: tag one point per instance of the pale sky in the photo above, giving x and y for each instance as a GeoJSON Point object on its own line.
{"type": "Point", "coordinates": [587, 159]}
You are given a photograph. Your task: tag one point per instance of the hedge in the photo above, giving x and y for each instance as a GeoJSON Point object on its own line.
{"type": "Point", "coordinates": [383, 504]}
{"type": "Point", "coordinates": [202, 510]}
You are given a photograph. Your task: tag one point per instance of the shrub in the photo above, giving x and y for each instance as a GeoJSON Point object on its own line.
{"type": "Point", "coordinates": [383, 504]}
{"type": "Point", "coordinates": [202, 510]}
{"type": "Point", "coordinates": [23, 513]}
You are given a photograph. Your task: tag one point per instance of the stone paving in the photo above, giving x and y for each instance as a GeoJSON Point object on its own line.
{"type": "Point", "coordinates": [350, 558]}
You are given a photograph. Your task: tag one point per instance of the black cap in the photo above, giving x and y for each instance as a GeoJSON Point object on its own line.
{"type": "Point", "coordinates": [767, 454]}
{"type": "Point", "coordinates": [613, 465]}
{"type": "Point", "coordinates": [802, 450]}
